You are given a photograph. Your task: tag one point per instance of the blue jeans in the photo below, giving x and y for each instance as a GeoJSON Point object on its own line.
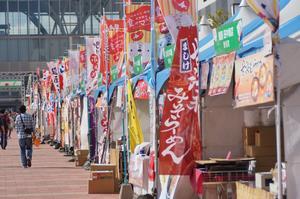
{"type": "Point", "coordinates": [26, 150]}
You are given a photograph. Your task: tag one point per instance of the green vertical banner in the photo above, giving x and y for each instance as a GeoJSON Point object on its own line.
{"type": "Point", "coordinates": [114, 73]}
{"type": "Point", "coordinates": [137, 64]}
{"type": "Point", "coordinates": [227, 37]}
{"type": "Point", "coordinates": [169, 55]}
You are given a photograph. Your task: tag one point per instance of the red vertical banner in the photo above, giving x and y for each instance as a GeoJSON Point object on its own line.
{"type": "Point", "coordinates": [179, 132]}
{"type": "Point", "coordinates": [115, 47]}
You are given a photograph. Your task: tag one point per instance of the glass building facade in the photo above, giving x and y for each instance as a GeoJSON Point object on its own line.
{"type": "Point", "coordinates": [54, 17]}
{"type": "Point", "coordinates": [33, 32]}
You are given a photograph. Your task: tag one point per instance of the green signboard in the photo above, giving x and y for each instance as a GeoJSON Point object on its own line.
{"type": "Point", "coordinates": [227, 38]}
{"type": "Point", "coordinates": [114, 73]}
{"type": "Point", "coordinates": [169, 55]}
{"type": "Point", "coordinates": [137, 64]}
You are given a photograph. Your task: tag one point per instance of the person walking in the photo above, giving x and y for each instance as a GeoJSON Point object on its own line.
{"type": "Point", "coordinates": [4, 128]}
{"type": "Point", "coordinates": [11, 124]}
{"type": "Point", "coordinates": [2, 131]}
{"type": "Point", "coordinates": [25, 128]}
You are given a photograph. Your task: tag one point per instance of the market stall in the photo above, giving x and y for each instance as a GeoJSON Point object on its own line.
{"type": "Point", "coordinates": [254, 40]}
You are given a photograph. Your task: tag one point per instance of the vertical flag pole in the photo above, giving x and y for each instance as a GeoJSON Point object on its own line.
{"type": "Point", "coordinates": [153, 66]}
{"type": "Point", "coordinates": [125, 115]}
{"type": "Point", "coordinates": [107, 82]}
{"type": "Point", "coordinates": [276, 41]}
{"type": "Point", "coordinates": [278, 117]}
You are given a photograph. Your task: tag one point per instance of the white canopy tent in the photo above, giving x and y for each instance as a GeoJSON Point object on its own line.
{"type": "Point", "coordinates": [289, 79]}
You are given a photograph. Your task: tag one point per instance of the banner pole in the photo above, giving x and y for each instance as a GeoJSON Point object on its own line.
{"type": "Point", "coordinates": [278, 117]}
{"type": "Point", "coordinates": [107, 86]}
{"type": "Point", "coordinates": [153, 66]}
{"type": "Point", "coordinates": [125, 113]}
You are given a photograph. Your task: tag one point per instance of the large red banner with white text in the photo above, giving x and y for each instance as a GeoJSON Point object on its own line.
{"type": "Point", "coordinates": [179, 131]}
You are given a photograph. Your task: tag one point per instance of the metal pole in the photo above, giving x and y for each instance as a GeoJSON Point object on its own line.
{"type": "Point", "coordinates": [278, 124]}
{"type": "Point", "coordinates": [125, 115]}
{"type": "Point", "coordinates": [153, 65]}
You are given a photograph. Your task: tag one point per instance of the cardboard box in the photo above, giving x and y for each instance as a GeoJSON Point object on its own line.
{"type": "Point", "coordinates": [79, 161]}
{"type": "Point", "coordinates": [114, 159]}
{"type": "Point", "coordinates": [98, 175]}
{"type": "Point", "coordinates": [81, 157]}
{"type": "Point", "coordinates": [256, 151]}
{"type": "Point", "coordinates": [102, 167]}
{"type": "Point", "coordinates": [210, 190]}
{"type": "Point", "coordinates": [249, 136]}
{"type": "Point", "coordinates": [265, 136]}
{"type": "Point", "coordinates": [263, 180]}
{"type": "Point", "coordinates": [246, 192]}
{"type": "Point", "coordinates": [249, 133]}
{"type": "Point", "coordinates": [102, 186]}
{"type": "Point", "coordinates": [81, 152]}
{"type": "Point", "coordinates": [107, 167]}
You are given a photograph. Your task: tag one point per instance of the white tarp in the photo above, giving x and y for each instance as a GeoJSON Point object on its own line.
{"type": "Point", "coordinates": [221, 121]}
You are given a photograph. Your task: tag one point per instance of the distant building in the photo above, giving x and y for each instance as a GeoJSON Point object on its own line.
{"type": "Point", "coordinates": [35, 31]}
{"type": "Point", "coordinates": [206, 7]}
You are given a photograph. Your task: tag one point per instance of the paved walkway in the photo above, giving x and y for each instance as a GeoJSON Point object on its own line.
{"type": "Point", "coordinates": [51, 175]}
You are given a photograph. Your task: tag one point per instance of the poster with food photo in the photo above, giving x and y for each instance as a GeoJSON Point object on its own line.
{"type": "Point", "coordinates": [222, 69]}
{"type": "Point", "coordinates": [254, 76]}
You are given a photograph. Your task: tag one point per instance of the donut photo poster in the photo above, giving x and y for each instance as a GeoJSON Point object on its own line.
{"type": "Point", "coordinates": [254, 80]}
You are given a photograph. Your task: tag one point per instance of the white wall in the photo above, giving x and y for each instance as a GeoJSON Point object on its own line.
{"type": "Point", "coordinates": [222, 127]}
{"type": "Point", "coordinates": [291, 123]}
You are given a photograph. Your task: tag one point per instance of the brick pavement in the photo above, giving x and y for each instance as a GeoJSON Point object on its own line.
{"type": "Point", "coordinates": [50, 177]}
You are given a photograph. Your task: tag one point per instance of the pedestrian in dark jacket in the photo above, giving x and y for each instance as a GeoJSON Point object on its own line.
{"type": "Point", "coordinates": [4, 122]}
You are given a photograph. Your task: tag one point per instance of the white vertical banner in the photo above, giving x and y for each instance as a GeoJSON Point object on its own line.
{"type": "Point", "coordinates": [84, 128]}
{"type": "Point", "coordinates": [74, 68]}
{"type": "Point", "coordinates": [92, 61]}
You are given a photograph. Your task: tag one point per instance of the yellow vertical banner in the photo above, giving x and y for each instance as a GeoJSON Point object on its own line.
{"type": "Point", "coordinates": [135, 131]}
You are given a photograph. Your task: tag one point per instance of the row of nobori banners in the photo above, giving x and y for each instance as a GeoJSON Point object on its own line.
{"type": "Point", "coordinates": [101, 61]}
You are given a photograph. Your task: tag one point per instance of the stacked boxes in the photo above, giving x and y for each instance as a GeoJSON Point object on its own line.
{"type": "Point", "coordinates": [81, 157]}
{"type": "Point", "coordinates": [103, 179]}
{"type": "Point", "coordinates": [260, 143]}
